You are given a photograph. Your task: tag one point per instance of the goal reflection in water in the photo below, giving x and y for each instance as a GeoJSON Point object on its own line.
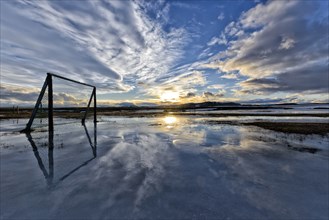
{"type": "Point", "coordinates": [49, 173]}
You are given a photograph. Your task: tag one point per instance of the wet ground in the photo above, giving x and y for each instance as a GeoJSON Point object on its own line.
{"type": "Point", "coordinates": [161, 168]}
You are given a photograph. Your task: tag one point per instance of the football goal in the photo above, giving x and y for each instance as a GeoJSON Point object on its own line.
{"type": "Point", "coordinates": [62, 100]}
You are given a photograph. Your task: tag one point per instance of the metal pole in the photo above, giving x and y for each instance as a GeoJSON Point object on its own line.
{"type": "Point", "coordinates": [36, 107]}
{"type": "Point", "coordinates": [50, 129]}
{"type": "Point", "coordinates": [95, 106]}
{"type": "Point", "coordinates": [48, 83]}
{"type": "Point", "coordinates": [95, 139]}
{"type": "Point", "coordinates": [86, 112]}
{"type": "Point", "coordinates": [50, 157]}
{"type": "Point", "coordinates": [50, 103]}
{"type": "Point", "coordinates": [71, 80]}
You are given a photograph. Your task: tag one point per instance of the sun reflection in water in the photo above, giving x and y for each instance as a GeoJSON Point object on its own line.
{"type": "Point", "coordinates": [170, 120]}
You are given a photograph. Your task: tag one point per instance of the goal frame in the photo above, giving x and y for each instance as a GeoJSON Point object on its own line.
{"type": "Point", "coordinates": [49, 84]}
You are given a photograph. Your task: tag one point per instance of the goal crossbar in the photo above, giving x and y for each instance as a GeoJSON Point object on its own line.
{"type": "Point", "coordinates": [49, 84]}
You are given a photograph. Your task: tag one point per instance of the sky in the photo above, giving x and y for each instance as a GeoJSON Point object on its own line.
{"type": "Point", "coordinates": [164, 52]}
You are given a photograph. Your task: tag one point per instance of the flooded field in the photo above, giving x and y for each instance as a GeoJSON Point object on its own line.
{"type": "Point", "coordinates": [163, 168]}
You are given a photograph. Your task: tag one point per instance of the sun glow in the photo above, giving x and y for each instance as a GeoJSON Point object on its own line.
{"type": "Point", "coordinates": [170, 120]}
{"type": "Point", "coordinates": [169, 96]}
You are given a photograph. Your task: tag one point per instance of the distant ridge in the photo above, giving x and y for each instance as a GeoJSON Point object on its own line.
{"type": "Point", "coordinates": [209, 104]}
{"type": "Point", "coordinates": [126, 104]}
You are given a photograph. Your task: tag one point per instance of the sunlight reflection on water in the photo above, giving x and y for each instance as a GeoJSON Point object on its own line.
{"type": "Point", "coordinates": [170, 120]}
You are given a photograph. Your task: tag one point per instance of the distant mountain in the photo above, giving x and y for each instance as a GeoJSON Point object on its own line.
{"type": "Point", "coordinates": [186, 105]}
{"type": "Point", "coordinates": [126, 104]}
{"type": "Point", "coordinates": [216, 105]}
{"type": "Point", "coordinates": [209, 104]}
{"type": "Point", "coordinates": [147, 104]}
{"type": "Point", "coordinates": [288, 103]}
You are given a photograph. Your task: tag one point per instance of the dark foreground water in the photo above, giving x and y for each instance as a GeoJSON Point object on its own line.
{"type": "Point", "coordinates": [161, 168]}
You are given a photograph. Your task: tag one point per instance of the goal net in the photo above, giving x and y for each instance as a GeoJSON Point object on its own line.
{"type": "Point", "coordinates": [62, 100]}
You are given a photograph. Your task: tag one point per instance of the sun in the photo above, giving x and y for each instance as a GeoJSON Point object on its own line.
{"type": "Point", "coordinates": [169, 96]}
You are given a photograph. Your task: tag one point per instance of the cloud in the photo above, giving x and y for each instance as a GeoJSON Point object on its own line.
{"type": "Point", "coordinates": [204, 96]}
{"type": "Point", "coordinates": [179, 84]}
{"type": "Point", "coordinates": [188, 95]}
{"type": "Point", "coordinates": [215, 40]}
{"type": "Point", "coordinates": [229, 76]}
{"type": "Point", "coordinates": [234, 29]}
{"type": "Point", "coordinates": [184, 5]}
{"type": "Point", "coordinates": [213, 96]}
{"type": "Point", "coordinates": [215, 86]}
{"type": "Point", "coordinates": [27, 96]}
{"type": "Point", "coordinates": [278, 48]}
{"type": "Point", "coordinates": [221, 16]}
{"type": "Point", "coordinates": [64, 99]}
{"type": "Point", "coordinates": [136, 156]}
{"type": "Point", "coordinates": [205, 53]}
{"type": "Point", "coordinates": [108, 44]}
{"type": "Point", "coordinates": [291, 98]}
{"type": "Point", "coordinates": [28, 55]}
{"type": "Point", "coordinates": [312, 79]}
{"type": "Point", "coordinates": [133, 46]}
{"type": "Point", "coordinates": [287, 43]}
{"type": "Point", "coordinates": [13, 94]}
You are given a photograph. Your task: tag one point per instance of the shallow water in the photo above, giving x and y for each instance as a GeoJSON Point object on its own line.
{"type": "Point", "coordinates": [161, 168]}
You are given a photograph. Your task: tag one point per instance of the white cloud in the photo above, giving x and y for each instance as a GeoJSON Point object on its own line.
{"type": "Point", "coordinates": [215, 86]}
{"type": "Point", "coordinates": [221, 16]}
{"type": "Point", "coordinates": [270, 13]}
{"type": "Point", "coordinates": [179, 84]}
{"type": "Point", "coordinates": [13, 94]}
{"type": "Point", "coordinates": [135, 151]}
{"type": "Point", "coordinates": [184, 5]}
{"type": "Point", "coordinates": [111, 44]}
{"type": "Point", "coordinates": [204, 53]}
{"type": "Point", "coordinates": [286, 43]}
{"type": "Point", "coordinates": [218, 40]}
{"type": "Point", "coordinates": [209, 96]}
{"type": "Point", "coordinates": [232, 29]}
{"type": "Point", "coordinates": [304, 78]}
{"type": "Point", "coordinates": [277, 48]}
{"type": "Point", "coordinates": [229, 76]}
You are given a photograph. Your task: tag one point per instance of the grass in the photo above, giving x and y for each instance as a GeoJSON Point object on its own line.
{"type": "Point", "coordinates": [285, 127]}
{"type": "Point", "coordinates": [293, 127]}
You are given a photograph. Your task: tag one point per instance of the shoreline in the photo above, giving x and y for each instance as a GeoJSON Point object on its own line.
{"type": "Point", "coordinates": [306, 128]}
{"type": "Point", "coordinates": [9, 115]}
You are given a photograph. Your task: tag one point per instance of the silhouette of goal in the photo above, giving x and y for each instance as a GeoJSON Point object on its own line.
{"type": "Point", "coordinates": [62, 99]}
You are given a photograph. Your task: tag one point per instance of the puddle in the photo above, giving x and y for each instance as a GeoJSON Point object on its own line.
{"type": "Point", "coordinates": [162, 168]}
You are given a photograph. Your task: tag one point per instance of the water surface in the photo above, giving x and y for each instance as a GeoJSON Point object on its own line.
{"type": "Point", "coordinates": [161, 168]}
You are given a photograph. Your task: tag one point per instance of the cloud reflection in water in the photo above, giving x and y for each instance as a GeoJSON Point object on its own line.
{"type": "Point", "coordinates": [138, 165]}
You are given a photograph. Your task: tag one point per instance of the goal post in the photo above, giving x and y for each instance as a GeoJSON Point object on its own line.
{"type": "Point", "coordinates": [48, 94]}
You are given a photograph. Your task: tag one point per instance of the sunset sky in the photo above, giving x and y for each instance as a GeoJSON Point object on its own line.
{"type": "Point", "coordinates": [168, 51]}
